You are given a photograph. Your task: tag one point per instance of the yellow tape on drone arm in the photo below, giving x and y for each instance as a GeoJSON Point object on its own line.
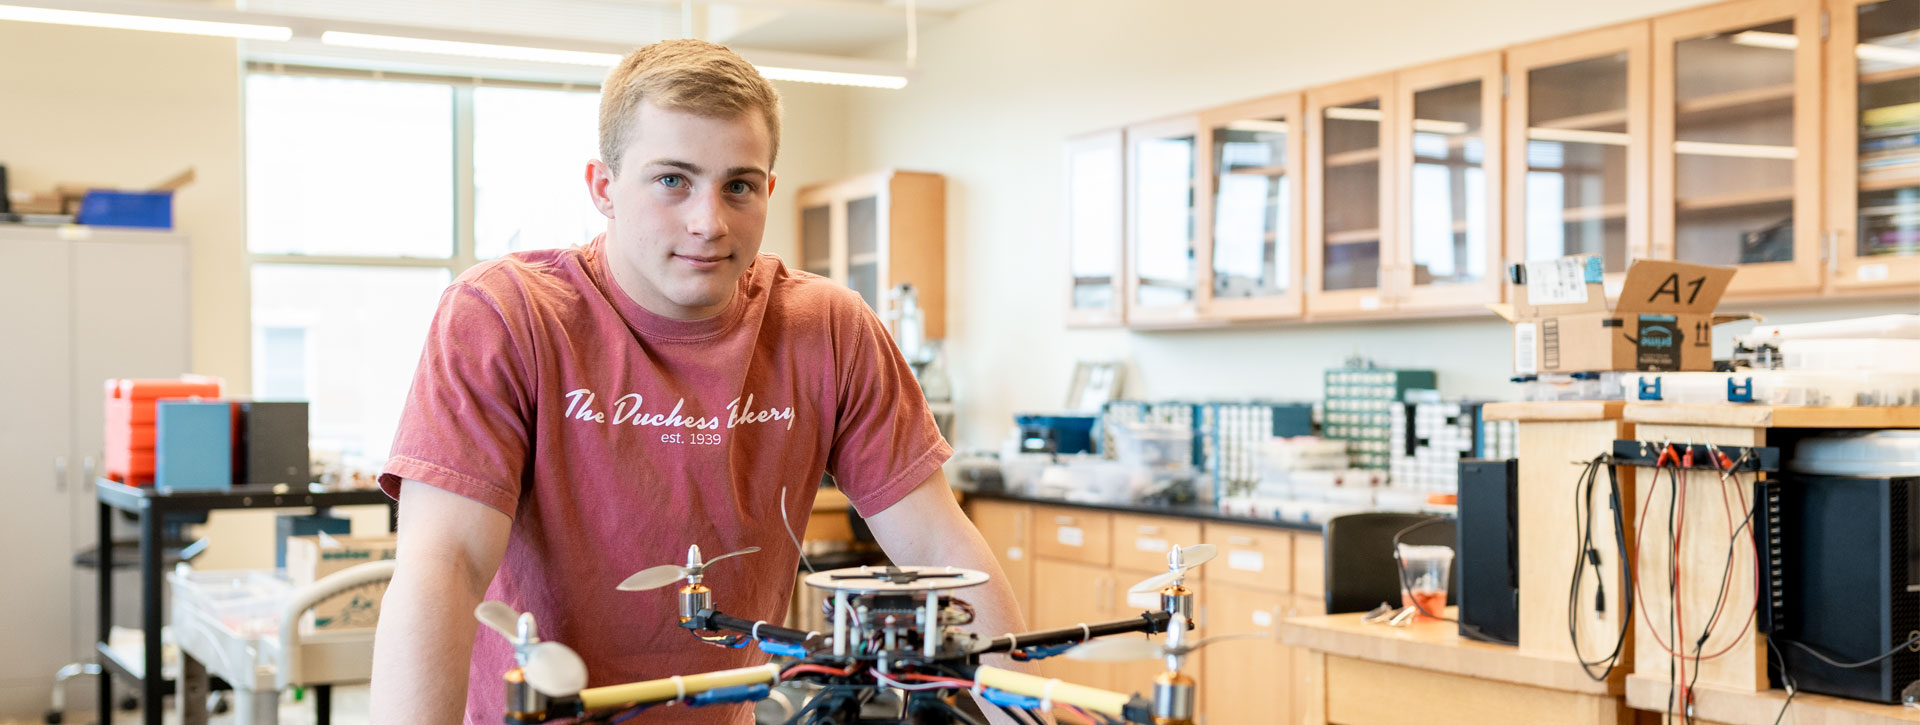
{"type": "Point", "coordinates": [1051, 690]}
{"type": "Point", "coordinates": [676, 688]}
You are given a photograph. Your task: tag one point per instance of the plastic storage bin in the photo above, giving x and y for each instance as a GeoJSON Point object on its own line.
{"type": "Point", "coordinates": [245, 602]}
{"type": "Point", "coordinates": [152, 209]}
{"type": "Point", "coordinates": [1851, 355]}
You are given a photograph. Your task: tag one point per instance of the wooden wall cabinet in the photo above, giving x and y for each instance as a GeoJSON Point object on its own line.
{"type": "Point", "coordinates": [1096, 244]}
{"type": "Point", "coordinates": [1736, 142]}
{"type": "Point", "coordinates": [1577, 147]}
{"type": "Point", "coordinates": [1252, 198]}
{"type": "Point", "coordinates": [1447, 250]}
{"type": "Point", "coordinates": [1164, 263]}
{"type": "Point", "coordinates": [877, 230]}
{"type": "Point", "coordinates": [1350, 196]}
{"type": "Point", "coordinates": [1873, 145]}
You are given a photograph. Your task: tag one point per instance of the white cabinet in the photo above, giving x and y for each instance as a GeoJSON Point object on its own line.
{"type": "Point", "coordinates": [78, 307]}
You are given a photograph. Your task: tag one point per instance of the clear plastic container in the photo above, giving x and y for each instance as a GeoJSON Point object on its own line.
{"type": "Point", "coordinates": [1424, 572]}
{"type": "Point", "coordinates": [1851, 355]}
{"type": "Point", "coordinates": [1020, 472]}
{"type": "Point", "coordinates": [246, 602]}
{"type": "Point", "coordinates": [1764, 387]}
{"type": "Point", "coordinates": [1566, 386]}
{"type": "Point", "coordinates": [1154, 445]}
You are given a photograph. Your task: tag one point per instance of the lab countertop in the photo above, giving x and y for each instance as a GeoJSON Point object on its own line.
{"type": "Point", "coordinates": [1196, 511]}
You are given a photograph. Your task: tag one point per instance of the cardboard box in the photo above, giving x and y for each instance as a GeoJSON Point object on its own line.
{"type": "Point", "coordinates": [1662, 322]}
{"type": "Point", "coordinates": [312, 558]}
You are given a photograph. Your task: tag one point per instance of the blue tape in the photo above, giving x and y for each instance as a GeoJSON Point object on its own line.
{"type": "Point", "coordinates": [725, 695]}
{"type": "Point", "coordinates": [1008, 699]}
{"type": "Point", "coordinates": [1041, 653]}
{"type": "Point", "coordinates": [782, 648]}
{"type": "Point", "coordinates": [1594, 273]}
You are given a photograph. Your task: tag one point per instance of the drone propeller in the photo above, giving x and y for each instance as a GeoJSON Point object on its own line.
{"type": "Point", "coordinates": [1179, 560]}
{"type": "Point", "coordinates": [553, 669]}
{"type": "Point", "coordinates": [1128, 650]}
{"type": "Point", "coordinates": [664, 574]}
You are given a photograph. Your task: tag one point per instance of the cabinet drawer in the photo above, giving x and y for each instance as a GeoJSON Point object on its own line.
{"type": "Point", "coordinates": [1309, 565]}
{"type": "Point", "coordinates": [1072, 534]}
{"type": "Point", "coordinates": [1251, 556]}
{"type": "Point", "coordinates": [1140, 543]}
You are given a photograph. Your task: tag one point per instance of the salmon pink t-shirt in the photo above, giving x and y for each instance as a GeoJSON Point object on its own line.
{"type": "Point", "coordinates": [615, 438]}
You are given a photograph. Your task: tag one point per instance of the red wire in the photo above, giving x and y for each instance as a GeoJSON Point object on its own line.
{"type": "Point", "coordinates": [955, 681]}
{"type": "Point", "coordinates": [822, 669]}
{"type": "Point", "coordinates": [1639, 534]}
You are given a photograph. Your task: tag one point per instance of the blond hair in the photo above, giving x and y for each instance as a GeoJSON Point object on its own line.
{"type": "Point", "coordinates": [694, 76]}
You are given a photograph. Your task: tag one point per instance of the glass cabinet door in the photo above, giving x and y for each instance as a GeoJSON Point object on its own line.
{"type": "Point", "coordinates": [1162, 272]}
{"type": "Point", "coordinates": [1448, 251]}
{"type": "Point", "coordinates": [1349, 195]}
{"type": "Point", "coordinates": [1736, 141]}
{"type": "Point", "coordinates": [863, 248]}
{"type": "Point", "coordinates": [1577, 146]}
{"type": "Point", "coordinates": [1094, 242]}
{"type": "Point", "coordinates": [1874, 132]}
{"type": "Point", "coordinates": [816, 239]}
{"type": "Point", "coordinates": [1252, 204]}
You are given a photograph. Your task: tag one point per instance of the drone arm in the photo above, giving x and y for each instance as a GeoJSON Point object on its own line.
{"type": "Point", "coordinates": [678, 687]}
{"type": "Point", "coordinates": [1092, 699]}
{"type": "Point", "coordinates": [1147, 622]}
{"type": "Point", "coordinates": [711, 620]}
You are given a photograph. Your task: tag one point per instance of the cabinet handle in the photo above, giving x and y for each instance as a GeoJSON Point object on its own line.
{"type": "Point", "coordinates": [1063, 520]}
{"type": "Point", "coordinates": [1240, 540]}
{"type": "Point", "coordinates": [1203, 616]}
{"type": "Point", "coordinates": [86, 470]}
{"type": "Point", "coordinates": [59, 473]}
{"type": "Point", "coordinates": [1833, 253]}
{"type": "Point", "coordinates": [1020, 528]}
{"type": "Point", "coordinates": [1148, 530]}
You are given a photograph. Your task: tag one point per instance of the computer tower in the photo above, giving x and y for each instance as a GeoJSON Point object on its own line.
{"type": "Point", "coordinates": [1847, 572]}
{"type": "Point", "coordinates": [1488, 561]}
{"type": "Point", "coordinates": [274, 443]}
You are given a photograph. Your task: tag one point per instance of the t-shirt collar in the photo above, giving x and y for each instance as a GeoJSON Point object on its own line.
{"type": "Point", "coordinates": [657, 326]}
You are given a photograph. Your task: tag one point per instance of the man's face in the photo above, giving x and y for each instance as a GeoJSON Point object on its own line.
{"type": "Point", "coordinates": [685, 214]}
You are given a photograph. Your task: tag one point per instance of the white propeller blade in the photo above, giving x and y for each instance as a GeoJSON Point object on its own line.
{"type": "Point", "coordinates": [1154, 583]}
{"type": "Point", "coordinates": [1220, 638]}
{"type": "Point", "coordinates": [1192, 556]}
{"type": "Point", "coordinates": [1189, 557]}
{"type": "Point", "coordinates": [747, 550]}
{"type": "Point", "coordinates": [500, 618]}
{"type": "Point", "coordinates": [555, 670]}
{"type": "Point", "coordinates": [654, 578]}
{"type": "Point", "coordinates": [1117, 650]}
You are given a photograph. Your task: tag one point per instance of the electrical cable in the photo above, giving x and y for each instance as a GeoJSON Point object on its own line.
{"type": "Point", "coordinates": [1785, 680]}
{"type": "Point", "coordinates": [1915, 640]}
{"type": "Point", "coordinates": [1586, 554]}
{"type": "Point", "coordinates": [1726, 575]}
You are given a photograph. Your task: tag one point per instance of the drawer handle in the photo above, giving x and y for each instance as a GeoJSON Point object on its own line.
{"type": "Point", "coordinates": [1148, 530]}
{"type": "Point", "coordinates": [1240, 540]}
{"type": "Point", "coordinates": [1063, 520]}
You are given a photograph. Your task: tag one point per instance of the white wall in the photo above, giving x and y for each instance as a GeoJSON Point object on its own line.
{"type": "Point", "coordinates": [1001, 85]}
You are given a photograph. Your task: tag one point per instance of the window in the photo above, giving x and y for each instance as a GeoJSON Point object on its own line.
{"type": "Point", "coordinates": [365, 198]}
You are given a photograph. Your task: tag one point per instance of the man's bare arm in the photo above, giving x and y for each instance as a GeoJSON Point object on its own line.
{"type": "Point", "coordinates": [449, 548]}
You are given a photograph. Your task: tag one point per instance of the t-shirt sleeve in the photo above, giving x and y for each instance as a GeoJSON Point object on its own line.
{"type": "Point", "coordinates": [467, 416]}
{"type": "Point", "coordinates": [885, 441]}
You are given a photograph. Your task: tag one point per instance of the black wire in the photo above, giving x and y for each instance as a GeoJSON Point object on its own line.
{"type": "Point", "coordinates": [1673, 592]}
{"type": "Point", "coordinates": [1586, 554]}
{"type": "Point", "coordinates": [1855, 665]}
{"type": "Point", "coordinates": [1726, 574]}
{"type": "Point", "coordinates": [1780, 661]}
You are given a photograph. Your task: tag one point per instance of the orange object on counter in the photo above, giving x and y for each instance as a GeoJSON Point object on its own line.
{"type": "Point", "coordinates": [151, 389]}
{"type": "Point", "coordinates": [131, 411]}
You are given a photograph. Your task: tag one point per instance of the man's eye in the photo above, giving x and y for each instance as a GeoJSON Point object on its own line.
{"type": "Point", "coordinates": [739, 187]}
{"type": "Point", "coordinates": [673, 182]}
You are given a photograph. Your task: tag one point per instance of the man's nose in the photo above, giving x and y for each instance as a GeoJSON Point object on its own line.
{"type": "Point", "coordinates": [706, 215]}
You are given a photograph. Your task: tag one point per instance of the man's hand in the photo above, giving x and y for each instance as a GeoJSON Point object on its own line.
{"type": "Point", "coordinates": [927, 528]}
{"type": "Point", "coordinates": [449, 548]}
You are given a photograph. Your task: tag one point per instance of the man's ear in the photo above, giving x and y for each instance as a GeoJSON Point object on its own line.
{"type": "Point", "coordinates": [599, 177]}
{"type": "Point", "coordinates": [772, 178]}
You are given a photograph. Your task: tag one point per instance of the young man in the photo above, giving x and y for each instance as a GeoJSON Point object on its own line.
{"type": "Point", "coordinates": [581, 414]}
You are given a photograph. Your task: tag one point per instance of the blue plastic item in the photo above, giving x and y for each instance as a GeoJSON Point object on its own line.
{"type": "Point", "coordinates": [1649, 392]}
{"type": "Point", "coordinates": [193, 448]}
{"type": "Point", "coordinates": [1067, 433]}
{"type": "Point", "coordinates": [1008, 699]}
{"type": "Point", "coordinates": [1737, 393]}
{"type": "Point", "coordinates": [724, 695]}
{"type": "Point", "coordinates": [782, 648]}
{"type": "Point", "coordinates": [151, 209]}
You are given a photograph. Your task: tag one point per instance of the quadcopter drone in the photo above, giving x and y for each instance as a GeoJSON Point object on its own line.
{"type": "Point", "coordinates": [894, 627]}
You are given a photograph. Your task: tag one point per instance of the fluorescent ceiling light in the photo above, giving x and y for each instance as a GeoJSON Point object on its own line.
{"type": "Point", "coordinates": [1574, 135]}
{"type": "Point", "coordinates": [1258, 126]}
{"type": "Point", "coordinates": [475, 50]}
{"type": "Point", "coordinates": [1864, 51]}
{"type": "Point", "coordinates": [1430, 125]}
{"type": "Point", "coordinates": [1737, 150]}
{"type": "Point", "coordinates": [1758, 39]}
{"type": "Point", "coordinates": [144, 22]}
{"type": "Point", "coordinates": [1354, 114]}
{"type": "Point", "coordinates": [836, 78]}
